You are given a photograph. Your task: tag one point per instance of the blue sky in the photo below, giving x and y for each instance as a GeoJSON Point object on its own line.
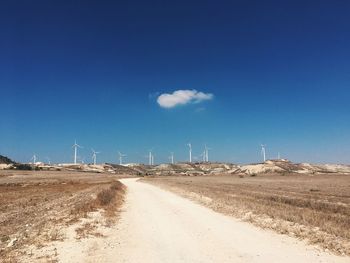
{"type": "Point", "coordinates": [278, 73]}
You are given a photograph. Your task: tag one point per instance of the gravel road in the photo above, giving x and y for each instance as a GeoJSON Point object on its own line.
{"type": "Point", "coordinates": [159, 226]}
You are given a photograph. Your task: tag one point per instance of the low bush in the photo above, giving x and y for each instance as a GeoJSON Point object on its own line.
{"type": "Point", "coordinates": [106, 196]}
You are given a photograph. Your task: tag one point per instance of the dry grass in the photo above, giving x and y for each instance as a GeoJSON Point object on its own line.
{"type": "Point", "coordinates": [316, 208]}
{"type": "Point", "coordinates": [106, 196]}
{"type": "Point", "coordinates": [87, 230]}
{"type": "Point", "coordinates": [35, 206]}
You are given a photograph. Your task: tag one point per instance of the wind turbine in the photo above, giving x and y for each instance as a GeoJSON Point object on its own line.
{"type": "Point", "coordinates": [48, 160]}
{"type": "Point", "coordinates": [171, 157]}
{"type": "Point", "coordinates": [190, 150]}
{"type": "Point", "coordinates": [263, 151]}
{"type": "Point", "coordinates": [206, 153]}
{"type": "Point", "coordinates": [94, 155]}
{"type": "Point", "coordinates": [34, 158]}
{"type": "Point", "coordinates": [279, 156]}
{"type": "Point", "coordinates": [121, 157]}
{"type": "Point", "coordinates": [150, 157]}
{"type": "Point", "coordinates": [76, 146]}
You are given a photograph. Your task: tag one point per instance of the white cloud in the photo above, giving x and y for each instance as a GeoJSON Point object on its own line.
{"type": "Point", "coordinates": [182, 97]}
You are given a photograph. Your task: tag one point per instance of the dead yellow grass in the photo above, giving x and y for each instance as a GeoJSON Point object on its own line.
{"type": "Point", "coordinates": [316, 208]}
{"type": "Point", "coordinates": [35, 206]}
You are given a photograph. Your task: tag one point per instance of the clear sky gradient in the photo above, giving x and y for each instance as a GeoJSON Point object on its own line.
{"type": "Point", "coordinates": [278, 73]}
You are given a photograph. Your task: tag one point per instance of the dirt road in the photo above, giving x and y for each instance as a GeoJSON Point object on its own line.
{"type": "Point", "coordinates": [158, 226]}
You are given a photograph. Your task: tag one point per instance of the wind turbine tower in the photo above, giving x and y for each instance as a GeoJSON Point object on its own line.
{"type": "Point", "coordinates": [190, 150]}
{"type": "Point", "coordinates": [121, 157]}
{"type": "Point", "coordinates": [206, 153]}
{"type": "Point", "coordinates": [76, 146]}
{"type": "Point", "coordinates": [34, 159]}
{"type": "Point", "coordinates": [150, 157]}
{"type": "Point", "coordinates": [171, 157]}
{"type": "Point", "coordinates": [94, 156]}
{"type": "Point", "coordinates": [263, 151]}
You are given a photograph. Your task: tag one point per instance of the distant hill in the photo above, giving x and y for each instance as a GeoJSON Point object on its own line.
{"type": "Point", "coordinates": [282, 167]}
{"type": "Point", "coordinates": [285, 166]}
{"type": "Point", "coordinates": [7, 163]}
{"type": "Point", "coordinates": [5, 160]}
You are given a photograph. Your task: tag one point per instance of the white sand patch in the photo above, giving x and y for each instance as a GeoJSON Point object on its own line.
{"type": "Point", "coordinates": [260, 168]}
{"type": "Point", "coordinates": [73, 246]}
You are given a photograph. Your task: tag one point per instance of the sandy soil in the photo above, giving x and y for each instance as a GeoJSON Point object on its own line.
{"type": "Point", "coordinates": [159, 226]}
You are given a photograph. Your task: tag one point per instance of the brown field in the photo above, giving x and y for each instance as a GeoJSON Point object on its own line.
{"type": "Point", "coordinates": [315, 208]}
{"type": "Point", "coordinates": [34, 205]}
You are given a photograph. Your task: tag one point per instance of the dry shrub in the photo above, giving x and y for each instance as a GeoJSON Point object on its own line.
{"type": "Point", "coordinates": [107, 196]}
{"type": "Point", "coordinates": [108, 199]}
